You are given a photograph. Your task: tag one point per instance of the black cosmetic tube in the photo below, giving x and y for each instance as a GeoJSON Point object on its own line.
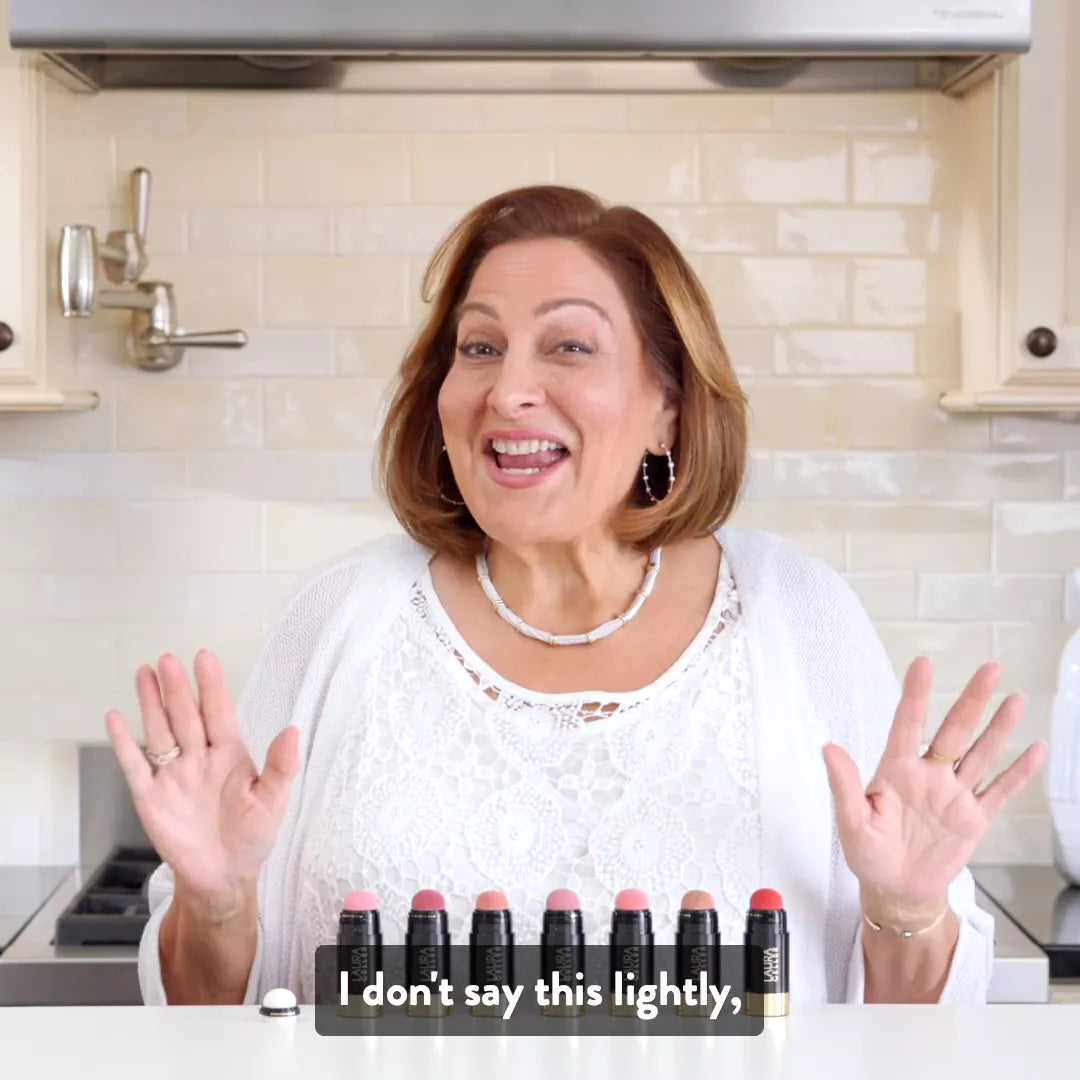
{"type": "Point", "coordinates": [562, 953]}
{"type": "Point", "coordinates": [697, 950]}
{"type": "Point", "coordinates": [632, 954]}
{"type": "Point", "coordinates": [359, 944]}
{"type": "Point", "coordinates": [427, 950]}
{"type": "Point", "coordinates": [766, 942]}
{"type": "Point", "coordinates": [491, 957]}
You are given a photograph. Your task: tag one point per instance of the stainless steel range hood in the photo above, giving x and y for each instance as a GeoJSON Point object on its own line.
{"type": "Point", "coordinates": [344, 45]}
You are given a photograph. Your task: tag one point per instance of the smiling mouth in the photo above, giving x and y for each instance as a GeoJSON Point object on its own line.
{"type": "Point", "coordinates": [526, 457]}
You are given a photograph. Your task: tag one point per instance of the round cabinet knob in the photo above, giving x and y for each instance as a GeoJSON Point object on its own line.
{"type": "Point", "coordinates": [1041, 342]}
{"type": "Point", "coordinates": [7, 336]}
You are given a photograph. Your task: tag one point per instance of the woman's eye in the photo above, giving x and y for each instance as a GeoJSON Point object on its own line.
{"type": "Point", "coordinates": [476, 348]}
{"type": "Point", "coordinates": [575, 346]}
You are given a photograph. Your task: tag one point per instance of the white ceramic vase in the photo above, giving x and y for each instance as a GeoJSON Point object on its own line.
{"type": "Point", "coordinates": [1064, 765]}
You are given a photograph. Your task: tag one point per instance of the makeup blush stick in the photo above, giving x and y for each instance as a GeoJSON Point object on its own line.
{"type": "Point", "coordinates": [766, 942]}
{"type": "Point", "coordinates": [359, 950]}
{"type": "Point", "coordinates": [427, 952]}
{"type": "Point", "coordinates": [697, 951]}
{"type": "Point", "coordinates": [491, 950]}
{"type": "Point", "coordinates": [562, 954]}
{"type": "Point", "coordinates": [632, 950]}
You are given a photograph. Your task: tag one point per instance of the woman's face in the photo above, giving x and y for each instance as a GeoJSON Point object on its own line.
{"type": "Point", "coordinates": [549, 404]}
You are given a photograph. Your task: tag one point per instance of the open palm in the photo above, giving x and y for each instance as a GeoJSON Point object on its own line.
{"type": "Point", "coordinates": [909, 833]}
{"type": "Point", "coordinates": [208, 812]}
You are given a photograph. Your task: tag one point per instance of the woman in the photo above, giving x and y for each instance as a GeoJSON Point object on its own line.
{"type": "Point", "coordinates": [566, 443]}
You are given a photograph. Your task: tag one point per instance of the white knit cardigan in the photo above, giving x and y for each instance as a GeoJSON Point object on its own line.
{"type": "Point", "coordinates": [819, 674]}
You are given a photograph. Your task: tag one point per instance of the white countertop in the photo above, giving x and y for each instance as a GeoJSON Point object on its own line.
{"type": "Point", "coordinates": [841, 1042]}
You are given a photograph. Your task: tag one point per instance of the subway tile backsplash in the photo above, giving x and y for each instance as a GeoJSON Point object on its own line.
{"type": "Point", "coordinates": [179, 513]}
{"type": "Point", "coordinates": [775, 168]}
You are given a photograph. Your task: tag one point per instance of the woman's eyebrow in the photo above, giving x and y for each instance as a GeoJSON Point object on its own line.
{"type": "Point", "coordinates": [550, 305]}
{"type": "Point", "coordinates": [543, 309]}
{"type": "Point", "coordinates": [475, 305]}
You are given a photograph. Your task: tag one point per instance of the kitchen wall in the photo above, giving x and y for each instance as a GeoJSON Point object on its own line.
{"type": "Point", "coordinates": [177, 514]}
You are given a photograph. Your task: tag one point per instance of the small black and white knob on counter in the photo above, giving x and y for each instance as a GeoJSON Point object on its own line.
{"type": "Point", "coordinates": [279, 1003]}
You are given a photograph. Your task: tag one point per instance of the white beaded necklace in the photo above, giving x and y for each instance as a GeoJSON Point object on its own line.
{"type": "Point", "coordinates": [519, 624]}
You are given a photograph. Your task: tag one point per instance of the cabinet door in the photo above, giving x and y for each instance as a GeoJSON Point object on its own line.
{"type": "Point", "coordinates": [21, 223]}
{"type": "Point", "coordinates": [1043, 343]}
{"type": "Point", "coordinates": [1020, 228]}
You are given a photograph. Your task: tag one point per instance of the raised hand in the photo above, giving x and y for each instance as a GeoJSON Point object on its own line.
{"type": "Point", "coordinates": [917, 824]}
{"type": "Point", "coordinates": [207, 811]}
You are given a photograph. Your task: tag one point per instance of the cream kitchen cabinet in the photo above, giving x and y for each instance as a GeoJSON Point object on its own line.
{"type": "Point", "coordinates": [1019, 265]}
{"type": "Point", "coordinates": [24, 245]}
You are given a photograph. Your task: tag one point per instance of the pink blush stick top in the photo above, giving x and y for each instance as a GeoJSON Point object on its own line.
{"type": "Point", "coordinates": [492, 900]}
{"type": "Point", "coordinates": [631, 900]}
{"type": "Point", "coordinates": [428, 900]}
{"type": "Point", "coordinates": [563, 900]}
{"type": "Point", "coordinates": [698, 900]}
{"type": "Point", "coordinates": [363, 900]}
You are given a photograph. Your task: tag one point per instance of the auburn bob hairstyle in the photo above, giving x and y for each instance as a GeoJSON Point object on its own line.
{"type": "Point", "coordinates": [682, 345]}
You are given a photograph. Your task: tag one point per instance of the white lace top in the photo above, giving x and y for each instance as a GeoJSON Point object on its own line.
{"type": "Point", "coordinates": [449, 776]}
{"type": "Point", "coordinates": [520, 791]}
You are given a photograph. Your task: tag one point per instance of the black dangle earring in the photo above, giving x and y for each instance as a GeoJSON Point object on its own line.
{"type": "Point", "coordinates": [671, 474]}
{"type": "Point", "coordinates": [446, 498]}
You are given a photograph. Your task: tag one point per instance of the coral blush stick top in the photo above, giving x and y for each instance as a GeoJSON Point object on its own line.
{"type": "Point", "coordinates": [766, 941]}
{"type": "Point", "coordinates": [491, 947]}
{"type": "Point", "coordinates": [491, 941]}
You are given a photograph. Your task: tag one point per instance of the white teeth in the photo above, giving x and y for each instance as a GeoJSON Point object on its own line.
{"type": "Point", "coordinates": [521, 472]}
{"type": "Point", "coordinates": [524, 446]}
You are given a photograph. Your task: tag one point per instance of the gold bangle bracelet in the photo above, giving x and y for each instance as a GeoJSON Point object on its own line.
{"type": "Point", "coordinates": [907, 933]}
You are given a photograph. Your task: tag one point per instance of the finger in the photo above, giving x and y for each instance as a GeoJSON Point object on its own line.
{"type": "Point", "coordinates": [849, 796]}
{"type": "Point", "coordinates": [133, 763]}
{"type": "Point", "coordinates": [986, 749]}
{"type": "Point", "coordinates": [157, 731]}
{"type": "Point", "coordinates": [1014, 779]}
{"type": "Point", "coordinates": [215, 702]}
{"type": "Point", "coordinates": [962, 721]}
{"type": "Point", "coordinates": [909, 723]}
{"type": "Point", "coordinates": [180, 706]}
{"type": "Point", "coordinates": [282, 765]}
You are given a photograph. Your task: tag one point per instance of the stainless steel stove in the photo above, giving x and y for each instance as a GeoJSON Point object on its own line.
{"type": "Point", "coordinates": [77, 938]}
{"type": "Point", "coordinates": [112, 907]}
{"type": "Point", "coordinates": [1044, 906]}
{"type": "Point", "coordinates": [37, 968]}
{"type": "Point", "coordinates": [23, 889]}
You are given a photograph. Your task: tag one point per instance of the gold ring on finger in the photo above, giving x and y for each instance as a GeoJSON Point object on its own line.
{"type": "Point", "coordinates": [163, 759]}
{"type": "Point", "coordinates": [935, 756]}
